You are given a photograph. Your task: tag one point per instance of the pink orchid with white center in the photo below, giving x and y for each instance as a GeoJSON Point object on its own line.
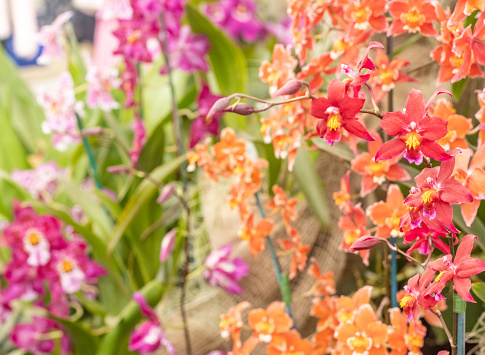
{"type": "Point", "coordinates": [416, 131]}
{"type": "Point", "coordinates": [101, 83]}
{"type": "Point", "coordinates": [436, 191]}
{"type": "Point", "coordinates": [37, 247]}
{"type": "Point", "coordinates": [51, 37]}
{"type": "Point", "coordinates": [40, 182]}
{"type": "Point", "coordinates": [115, 9]}
{"type": "Point", "coordinates": [459, 269]}
{"type": "Point", "coordinates": [71, 276]}
{"type": "Point", "coordinates": [221, 271]}
{"type": "Point", "coordinates": [60, 110]}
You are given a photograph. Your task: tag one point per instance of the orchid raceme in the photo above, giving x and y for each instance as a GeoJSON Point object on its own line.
{"type": "Point", "coordinates": [436, 190]}
{"type": "Point", "coordinates": [342, 197]}
{"type": "Point", "coordinates": [353, 227]}
{"type": "Point", "coordinates": [417, 132]}
{"type": "Point", "coordinates": [375, 173]}
{"type": "Point", "coordinates": [270, 322]}
{"type": "Point", "coordinates": [338, 112]}
{"type": "Point", "coordinates": [459, 269]}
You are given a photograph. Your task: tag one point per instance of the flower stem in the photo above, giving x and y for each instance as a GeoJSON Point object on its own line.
{"type": "Point", "coordinates": [283, 280]}
{"type": "Point", "coordinates": [89, 153]}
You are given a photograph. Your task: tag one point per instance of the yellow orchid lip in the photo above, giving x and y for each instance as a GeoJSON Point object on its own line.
{"type": "Point", "coordinates": [412, 141]}
{"type": "Point", "coordinates": [334, 121]}
{"type": "Point", "coordinates": [427, 196]}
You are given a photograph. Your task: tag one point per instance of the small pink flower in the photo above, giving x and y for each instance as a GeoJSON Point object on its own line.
{"type": "Point", "coordinates": [51, 37]}
{"type": "Point", "coordinates": [101, 82]}
{"type": "Point", "coordinates": [221, 271]}
{"type": "Point", "coordinates": [40, 182]}
{"type": "Point", "coordinates": [139, 139]}
{"type": "Point", "coordinates": [70, 274]}
{"type": "Point", "coordinates": [60, 109]}
{"type": "Point", "coordinates": [37, 247]}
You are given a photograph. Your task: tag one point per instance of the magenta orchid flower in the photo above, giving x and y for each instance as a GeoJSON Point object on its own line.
{"type": "Point", "coordinates": [221, 271]}
{"type": "Point", "coordinates": [139, 139]}
{"type": "Point", "coordinates": [416, 131]}
{"type": "Point", "coordinates": [41, 182]}
{"type": "Point", "coordinates": [203, 125]}
{"type": "Point", "coordinates": [149, 335]}
{"type": "Point", "coordinates": [425, 239]}
{"type": "Point", "coordinates": [436, 190]}
{"type": "Point", "coordinates": [338, 112]}
{"type": "Point", "coordinates": [459, 270]}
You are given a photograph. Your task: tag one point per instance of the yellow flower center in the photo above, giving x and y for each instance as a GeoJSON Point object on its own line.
{"type": "Point", "coordinates": [440, 275]}
{"type": "Point", "coordinates": [361, 14]}
{"type": "Point", "coordinates": [340, 197]}
{"type": "Point", "coordinates": [340, 46]}
{"type": "Point", "coordinates": [345, 316]}
{"type": "Point", "coordinates": [134, 37]}
{"type": "Point", "coordinates": [412, 141]}
{"type": "Point", "coordinates": [427, 196]}
{"type": "Point", "coordinates": [66, 266]}
{"type": "Point", "coordinates": [34, 238]}
{"type": "Point", "coordinates": [406, 301]}
{"type": "Point", "coordinates": [247, 233]}
{"type": "Point", "coordinates": [457, 62]}
{"type": "Point", "coordinates": [377, 169]}
{"type": "Point", "coordinates": [386, 76]}
{"type": "Point", "coordinates": [413, 18]}
{"type": "Point", "coordinates": [265, 327]}
{"type": "Point", "coordinates": [225, 323]}
{"type": "Point", "coordinates": [351, 236]}
{"type": "Point", "coordinates": [334, 121]}
{"type": "Point", "coordinates": [414, 342]}
{"type": "Point", "coordinates": [359, 344]}
{"type": "Point", "coordinates": [393, 222]}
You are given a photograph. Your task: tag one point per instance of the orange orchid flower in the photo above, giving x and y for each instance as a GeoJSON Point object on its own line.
{"type": "Point", "coordinates": [325, 310]}
{"type": "Point", "coordinates": [473, 178]}
{"type": "Point", "coordinates": [412, 16]}
{"type": "Point", "coordinates": [387, 215]}
{"type": "Point", "coordinates": [365, 14]}
{"type": "Point", "coordinates": [281, 70]}
{"type": "Point", "coordinates": [229, 153]}
{"type": "Point", "coordinates": [353, 227]}
{"type": "Point", "coordinates": [299, 251]}
{"type": "Point", "coordinates": [346, 307]}
{"type": "Point", "coordinates": [246, 348]}
{"type": "Point", "coordinates": [324, 284]}
{"type": "Point", "coordinates": [404, 339]}
{"type": "Point", "coordinates": [255, 234]}
{"type": "Point", "coordinates": [365, 335]}
{"type": "Point", "coordinates": [269, 322]}
{"type": "Point", "coordinates": [375, 173]}
{"type": "Point", "coordinates": [317, 67]}
{"type": "Point", "coordinates": [280, 203]}
{"type": "Point", "coordinates": [342, 197]}
{"type": "Point", "coordinates": [387, 74]}
{"type": "Point", "coordinates": [289, 343]}
{"type": "Point", "coordinates": [464, 8]}
{"type": "Point", "coordinates": [231, 323]}
{"type": "Point", "coordinates": [201, 157]}
{"type": "Point", "coordinates": [458, 125]}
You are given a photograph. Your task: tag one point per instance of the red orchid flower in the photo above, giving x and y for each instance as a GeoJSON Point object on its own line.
{"type": "Point", "coordinates": [417, 132]}
{"type": "Point", "coordinates": [458, 270]}
{"type": "Point", "coordinates": [336, 112]}
{"type": "Point", "coordinates": [436, 191]}
{"type": "Point", "coordinates": [425, 239]}
{"type": "Point", "coordinates": [416, 295]}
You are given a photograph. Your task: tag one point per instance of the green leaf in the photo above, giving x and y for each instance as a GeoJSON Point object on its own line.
{"type": "Point", "coordinates": [143, 193]}
{"type": "Point", "coordinates": [82, 339]}
{"type": "Point", "coordinates": [226, 58]}
{"type": "Point", "coordinates": [458, 88]}
{"type": "Point", "coordinates": [116, 341]}
{"type": "Point", "coordinates": [309, 183]}
{"type": "Point", "coordinates": [478, 289]}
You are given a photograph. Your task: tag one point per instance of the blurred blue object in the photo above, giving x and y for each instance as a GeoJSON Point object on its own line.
{"type": "Point", "coordinates": [21, 62]}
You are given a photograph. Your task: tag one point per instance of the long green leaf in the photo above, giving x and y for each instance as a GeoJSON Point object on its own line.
{"type": "Point", "coordinates": [143, 193]}
{"type": "Point", "coordinates": [308, 181]}
{"type": "Point", "coordinates": [479, 289]}
{"type": "Point", "coordinates": [226, 58]}
{"type": "Point", "coordinates": [82, 339]}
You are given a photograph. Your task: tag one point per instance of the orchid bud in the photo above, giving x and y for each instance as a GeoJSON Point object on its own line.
{"type": "Point", "coordinates": [241, 109]}
{"type": "Point", "coordinates": [118, 169]}
{"type": "Point", "coordinates": [168, 243]}
{"type": "Point", "coordinates": [290, 88]}
{"type": "Point", "coordinates": [93, 131]}
{"type": "Point", "coordinates": [364, 243]}
{"type": "Point", "coordinates": [167, 191]}
{"type": "Point", "coordinates": [219, 106]}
